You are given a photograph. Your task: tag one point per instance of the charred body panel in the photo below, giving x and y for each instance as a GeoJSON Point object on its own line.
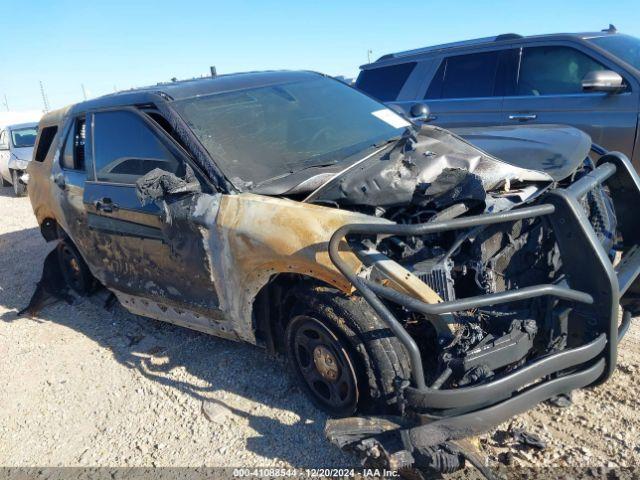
{"type": "Point", "coordinates": [414, 170]}
{"type": "Point", "coordinates": [554, 149]}
{"type": "Point", "coordinates": [253, 238]}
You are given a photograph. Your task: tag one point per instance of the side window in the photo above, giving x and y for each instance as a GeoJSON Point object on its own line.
{"type": "Point", "coordinates": [73, 153]}
{"type": "Point", "coordinates": [465, 76]}
{"type": "Point", "coordinates": [126, 148]}
{"type": "Point", "coordinates": [385, 83]}
{"type": "Point", "coordinates": [44, 143]}
{"type": "Point", "coordinates": [553, 71]}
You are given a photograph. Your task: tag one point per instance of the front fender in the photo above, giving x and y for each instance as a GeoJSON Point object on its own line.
{"type": "Point", "coordinates": [256, 237]}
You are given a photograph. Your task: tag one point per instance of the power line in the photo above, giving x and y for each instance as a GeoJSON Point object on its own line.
{"type": "Point", "coordinates": [44, 98]}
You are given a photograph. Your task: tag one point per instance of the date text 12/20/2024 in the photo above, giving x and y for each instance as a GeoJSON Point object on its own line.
{"type": "Point", "coordinates": [314, 472]}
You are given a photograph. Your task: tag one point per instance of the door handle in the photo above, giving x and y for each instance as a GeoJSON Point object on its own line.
{"type": "Point", "coordinates": [523, 117]}
{"type": "Point", "coordinates": [106, 205]}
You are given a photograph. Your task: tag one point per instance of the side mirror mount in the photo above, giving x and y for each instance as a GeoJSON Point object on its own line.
{"type": "Point", "coordinates": [419, 112]}
{"type": "Point", "coordinates": [603, 81]}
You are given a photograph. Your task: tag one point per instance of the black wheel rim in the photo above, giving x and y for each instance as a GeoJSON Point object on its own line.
{"type": "Point", "coordinates": [72, 269]}
{"type": "Point", "coordinates": [325, 366]}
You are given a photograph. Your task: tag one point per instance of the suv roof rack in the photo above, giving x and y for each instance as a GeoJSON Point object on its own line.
{"type": "Point", "coordinates": [463, 43]}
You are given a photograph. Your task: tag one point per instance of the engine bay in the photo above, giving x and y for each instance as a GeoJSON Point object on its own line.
{"type": "Point", "coordinates": [489, 341]}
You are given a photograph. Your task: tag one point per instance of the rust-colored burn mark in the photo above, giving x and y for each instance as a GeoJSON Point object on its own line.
{"type": "Point", "coordinates": [256, 237]}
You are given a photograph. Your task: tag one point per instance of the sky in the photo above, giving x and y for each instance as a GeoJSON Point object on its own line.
{"type": "Point", "coordinates": [115, 45]}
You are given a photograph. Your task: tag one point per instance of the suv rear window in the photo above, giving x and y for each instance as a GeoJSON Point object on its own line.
{"type": "Point", "coordinates": [385, 83]}
{"type": "Point", "coordinates": [465, 76]}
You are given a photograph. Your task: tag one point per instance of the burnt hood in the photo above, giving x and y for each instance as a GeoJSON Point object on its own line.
{"type": "Point", "coordinates": [434, 165]}
{"type": "Point", "coordinates": [554, 149]}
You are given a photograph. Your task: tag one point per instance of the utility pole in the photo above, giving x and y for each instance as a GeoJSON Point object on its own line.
{"type": "Point", "coordinates": [369, 52]}
{"type": "Point", "coordinates": [44, 98]}
{"type": "Point", "coordinates": [84, 92]}
{"type": "Point", "coordinates": [6, 102]}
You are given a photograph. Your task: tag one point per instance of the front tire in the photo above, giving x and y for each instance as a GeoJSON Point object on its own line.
{"type": "Point", "coordinates": [323, 365]}
{"type": "Point", "coordinates": [19, 188]}
{"type": "Point", "coordinates": [366, 361]}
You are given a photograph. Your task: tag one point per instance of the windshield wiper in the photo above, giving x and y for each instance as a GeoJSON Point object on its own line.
{"type": "Point", "coordinates": [300, 166]}
{"type": "Point", "coordinates": [407, 132]}
{"type": "Point", "coordinates": [388, 141]}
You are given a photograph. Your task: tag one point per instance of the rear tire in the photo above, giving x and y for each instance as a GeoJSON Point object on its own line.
{"type": "Point", "coordinates": [369, 360]}
{"type": "Point", "coordinates": [74, 269]}
{"type": "Point", "coordinates": [4, 182]}
{"type": "Point", "coordinates": [19, 188]}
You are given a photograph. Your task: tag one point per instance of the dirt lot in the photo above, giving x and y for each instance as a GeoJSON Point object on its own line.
{"type": "Point", "coordinates": [80, 386]}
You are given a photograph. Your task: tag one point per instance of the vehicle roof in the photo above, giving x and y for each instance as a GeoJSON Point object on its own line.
{"type": "Point", "coordinates": [15, 126]}
{"type": "Point", "coordinates": [503, 39]}
{"type": "Point", "coordinates": [182, 89]}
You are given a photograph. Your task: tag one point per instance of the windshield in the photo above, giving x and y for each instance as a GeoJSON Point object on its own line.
{"type": "Point", "coordinates": [267, 132]}
{"type": "Point", "coordinates": [625, 47]}
{"type": "Point", "coordinates": [24, 137]}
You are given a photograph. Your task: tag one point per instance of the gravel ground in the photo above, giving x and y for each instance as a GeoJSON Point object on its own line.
{"type": "Point", "coordinates": [81, 386]}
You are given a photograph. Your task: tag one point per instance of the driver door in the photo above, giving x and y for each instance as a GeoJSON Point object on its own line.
{"type": "Point", "coordinates": [150, 255]}
{"type": "Point", "coordinates": [548, 90]}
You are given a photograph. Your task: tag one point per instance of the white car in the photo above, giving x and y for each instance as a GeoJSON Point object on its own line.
{"type": "Point", "coordinates": [16, 150]}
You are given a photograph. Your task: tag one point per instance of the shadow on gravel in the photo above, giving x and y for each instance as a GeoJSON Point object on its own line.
{"type": "Point", "coordinates": [233, 378]}
{"type": "Point", "coordinates": [7, 192]}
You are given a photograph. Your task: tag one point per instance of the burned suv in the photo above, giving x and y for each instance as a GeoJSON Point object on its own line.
{"type": "Point", "coordinates": [407, 274]}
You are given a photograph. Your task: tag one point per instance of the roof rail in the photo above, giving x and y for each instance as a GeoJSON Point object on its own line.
{"type": "Point", "coordinates": [475, 41]}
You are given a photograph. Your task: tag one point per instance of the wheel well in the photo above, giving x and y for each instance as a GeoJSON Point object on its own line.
{"type": "Point", "coordinates": [272, 305]}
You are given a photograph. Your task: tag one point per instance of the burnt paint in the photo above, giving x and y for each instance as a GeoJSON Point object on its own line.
{"type": "Point", "coordinates": [143, 250]}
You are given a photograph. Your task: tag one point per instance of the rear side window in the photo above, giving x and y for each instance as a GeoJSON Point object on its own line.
{"type": "Point", "coordinates": [385, 83]}
{"type": "Point", "coordinates": [553, 71]}
{"type": "Point", "coordinates": [46, 138]}
{"type": "Point", "coordinates": [73, 153]}
{"type": "Point", "coordinates": [125, 148]}
{"type": "Point", "coordinates": [465, 76]}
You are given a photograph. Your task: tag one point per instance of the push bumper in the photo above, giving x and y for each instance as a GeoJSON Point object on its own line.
{"type": "Point", "coordinates": [593, 287]}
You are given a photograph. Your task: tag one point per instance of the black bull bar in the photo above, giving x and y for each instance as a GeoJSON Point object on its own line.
{"type": "Point", "coordinates": [592, 283]}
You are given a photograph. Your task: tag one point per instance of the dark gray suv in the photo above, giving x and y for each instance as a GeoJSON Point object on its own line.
{"type": "Point", "coordinates": [587, 80]}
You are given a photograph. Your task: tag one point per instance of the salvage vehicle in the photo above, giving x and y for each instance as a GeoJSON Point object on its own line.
{"type": "Point", "coordinates": [16, 150]}
{"type": "Point", "coordinates": [422, 289]}
{"type": "Point", "coordinates": [588, 80]}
